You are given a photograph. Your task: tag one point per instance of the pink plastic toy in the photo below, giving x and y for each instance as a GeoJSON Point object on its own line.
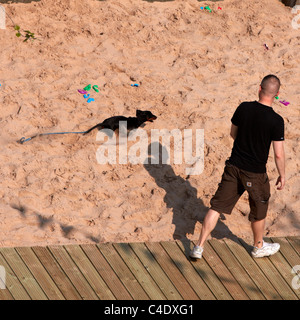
{"type": "Point", "coordinates": [286, 103]}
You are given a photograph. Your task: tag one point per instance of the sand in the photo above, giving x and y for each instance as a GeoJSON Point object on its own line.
{"type": "Point", "coordinates": [193, 69]}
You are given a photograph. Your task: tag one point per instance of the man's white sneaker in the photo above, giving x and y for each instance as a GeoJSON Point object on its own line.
{"type": "Point", "coordinates": [196, 253]}
{"type": "Point", "coordinates": [266, 250]}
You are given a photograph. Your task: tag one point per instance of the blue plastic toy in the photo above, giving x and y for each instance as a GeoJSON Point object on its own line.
{"type": "Point", "coordinates": [90, 100]}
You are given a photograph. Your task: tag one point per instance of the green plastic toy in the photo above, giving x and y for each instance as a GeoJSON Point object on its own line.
{"type": "Point", "coordinates": [208, 8]}
{"type": "Point", "coordinates": [95, 87]}
{"type": "Point", "coordinates": [88, 87]}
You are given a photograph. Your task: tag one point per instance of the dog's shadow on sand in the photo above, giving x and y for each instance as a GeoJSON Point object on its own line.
{"type": "Point", "coordinates": [182, 197]}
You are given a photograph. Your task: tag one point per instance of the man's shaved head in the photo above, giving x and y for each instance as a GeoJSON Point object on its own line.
{"type": "Point", "coordinates": [270, 85]}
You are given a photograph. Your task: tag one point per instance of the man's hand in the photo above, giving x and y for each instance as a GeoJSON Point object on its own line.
{"type": "Point", "coordinates": [281, 182]}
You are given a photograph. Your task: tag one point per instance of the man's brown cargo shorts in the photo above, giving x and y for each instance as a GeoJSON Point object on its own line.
{"type": "Point", "coordinates": [233, 184]}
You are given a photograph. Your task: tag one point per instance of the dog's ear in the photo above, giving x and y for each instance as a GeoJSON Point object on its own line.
{"type": "Point", "coordinates": [138, 112]}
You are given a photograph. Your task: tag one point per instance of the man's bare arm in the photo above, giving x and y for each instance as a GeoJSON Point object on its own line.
{"type": "Point", "coordinates": [233, 131]}
{"type": "Point", "coordinates": [279, 156]}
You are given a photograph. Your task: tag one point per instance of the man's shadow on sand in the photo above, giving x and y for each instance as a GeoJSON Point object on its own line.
{"type": "Point", "coordinates": [181, 196]}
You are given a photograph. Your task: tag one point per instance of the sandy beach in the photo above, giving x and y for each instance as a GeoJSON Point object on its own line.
{"type": "Point", "coordinates": [193, 67]}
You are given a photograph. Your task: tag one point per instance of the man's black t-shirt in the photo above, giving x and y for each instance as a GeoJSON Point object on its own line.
{"type": "Point", "coordinates": [258, 125]}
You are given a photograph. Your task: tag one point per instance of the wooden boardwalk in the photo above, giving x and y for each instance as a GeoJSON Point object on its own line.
{"type": "Point", "coordinates": [151, 271]}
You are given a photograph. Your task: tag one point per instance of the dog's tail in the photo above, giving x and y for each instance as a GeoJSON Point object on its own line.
{"type": "Point", "coordinates": [99, 126]}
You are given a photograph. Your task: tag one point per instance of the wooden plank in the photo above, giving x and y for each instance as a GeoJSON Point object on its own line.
{"type": "Point", "coordinates": [172, 271]}
{"type": "Point", "coordinates": [237, 270]}
{"type": "Point", "coordinates": [190, 274]}
{"type": "Point", "coordinates": [106, 272]}
{"type": "Point", "coordinates": [39, 273]}
{"type": "Point", "coordinates": [89, 272]}
{"type": "Point", "coordinates": [275, 278]}
{"type": "Point", "coordinates": [112, 271]}
{"type": "Point", "coordinates": [295, 243]}
{"type": "Point", "coordinates": [73, 273]}
{"type": "Point", "coordinates": [284, 269]}
{"type": "Point", "coordinates": [253, 270]}
{"type": "Point", "coordinates": [56, 273]}
{"type": "Point", "coordinates": [223, 274]}
{"type": "Point", "coordinates": [211, 279]}
{"type": "Point", "coordinates": [156, 272]}
{"type": "Point", "coordinates": [24, 275]}
{"type": "Point", "coordinates": [139, 271]}
{"type": "Point", "coordinates": [13, 285]}
{"type": "Point", "coordinates": [122, 271]}
{"type": "Point", "coordinates": [287, 250]}
{"type": "Point", "coordinates": [4, 292]}
{"type": "Point", "coordinates": [208, 276]}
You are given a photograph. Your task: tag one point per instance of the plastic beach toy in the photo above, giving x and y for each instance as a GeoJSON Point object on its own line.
{"type": "Point", "coordinates": [86, 95]}
{"type": "Point", "coordinates": [135, 85]}
{"type": "Point", "coordinates": [90, 100]}
{"type": "Point", "coordinates": [81, 91]}
{"type": "Point", "coordinates": [208, 8]}
{"type": "Point", "coordinates": [95, 87]}
{"type": "Point", "coordinates": [286, 103]}
{"type": "Point", "coordinates": [88, 87]}
{"type": "Point", "coordinates": [201, 8]}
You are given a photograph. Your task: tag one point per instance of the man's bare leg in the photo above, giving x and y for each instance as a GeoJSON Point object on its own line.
{"type": "Point", "coordinates": [258, 228]}
{"type": "Point", "coordinates": [209, 223]}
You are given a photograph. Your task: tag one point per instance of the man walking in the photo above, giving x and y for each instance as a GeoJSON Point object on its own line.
{"type": "Point", "coordinates": [255, 125]}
